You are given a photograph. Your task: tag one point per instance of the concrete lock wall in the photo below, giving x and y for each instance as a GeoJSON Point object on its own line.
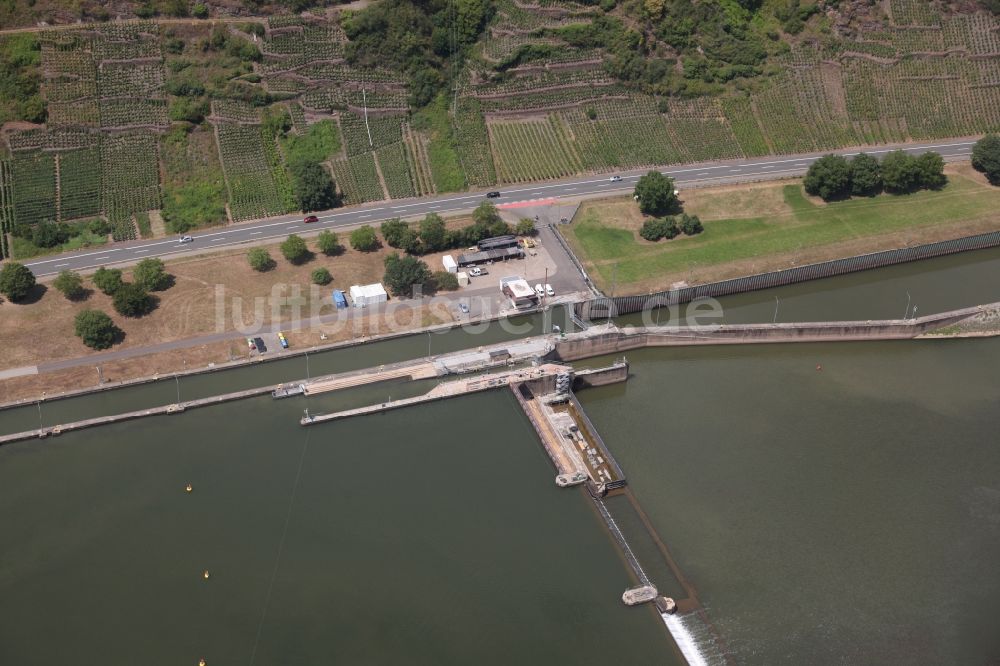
{"type": "Point", "coordinates": [600, 308]}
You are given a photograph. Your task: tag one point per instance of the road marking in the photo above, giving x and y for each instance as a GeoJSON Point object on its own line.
{"type": "Point", "coordinates": [703, 173]}
{"type": "Point", "coordinates": [256, 233]}
{"type": "Point", "coordinates": [292, 226]}
{"type": "Point", "coordinates": [58, 265]}
{"type": "Point", "coordinates": [99, 258]}
{"type": "Point", "coordinates": [767, 167]}
{"type": "Point", "coordinates": [141, 251]}
{"type": "Point", "coordinates": [362, 217]}
{"type": "Point", "coordinates": [216, 240]}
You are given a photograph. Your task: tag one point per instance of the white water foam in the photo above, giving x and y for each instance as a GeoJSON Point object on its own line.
{"type": "Point", "coordinates": [684, 639]}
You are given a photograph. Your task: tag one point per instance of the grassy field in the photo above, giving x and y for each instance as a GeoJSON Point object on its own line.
{"type": "Point", "coordinates": [752, 229]}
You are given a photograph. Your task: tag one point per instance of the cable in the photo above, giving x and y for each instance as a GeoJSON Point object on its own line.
{"type": "Point", "coordinates": [281, 547]}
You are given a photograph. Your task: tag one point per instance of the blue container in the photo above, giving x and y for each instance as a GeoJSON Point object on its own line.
{"type": "Point", "coordinates": [339, 299]}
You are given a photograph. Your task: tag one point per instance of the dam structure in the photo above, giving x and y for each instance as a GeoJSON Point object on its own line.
{"type": "Point", "coordinates": [538, 373]}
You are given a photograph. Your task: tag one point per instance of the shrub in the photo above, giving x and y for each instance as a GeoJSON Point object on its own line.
{"type": "Point", "coordinates": [364, 239]}
{"type": "Point", "coordinates": [445, 281]}
{"type": "Point", "coordinates": [656, 228]}
{"type": "Point", "coordinates": [402, 274]}
{"type": "Point", "coordinates": [525, 227]}
{"type": "Point", "coordinates": [691, 225]}
{"type": "Point", "coordinates": [656, 195]}
{"type": "Point", "coordinates": [151, 275]}
{"type": "Point", "coordinates": [199, 10]}
{"type": "Point", "coordinates": [49, 234]}
{"type": "Point", "coordinates": [16, 280]}
{"type": "Point", "coordinates": [321, 276]}
{"type": "Point", "coordinates": [260, 259]}
{"type": "Point", "coordinates": [829, 177]}
{"type": "Point", "coordinates": [986, 157]}
{"type": "Point", "coordinates": [108, 280]}
{"type": "Point", "coordinates": [294, 249]}
{"type": "Point", "coordinates": [95, 329]}
{"type": "Point", "coordinates": [70, 284]}
{"type": "Point", "coordinates": [131, 300]}
{"type": "Point", "coordinates": [328, 244]}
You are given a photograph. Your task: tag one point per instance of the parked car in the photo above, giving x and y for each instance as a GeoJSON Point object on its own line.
{"type": "Point", "coordinates": [549, 291]}
{"type": "Point", "coordinates": [539, 290]}
{"type": "Point", "coordinates": [185, 239]}
{"type": "Point", "coordinates": [492, 195]}
{"type": "Point", "coordinates": [476, 272]}
{"type": "Point", "coordinates": [615, 179]}
{"type": "Point", "coordinates": [283, 340]}
{"type": "Point", "coordinates": [464, 308]}
{"type": "Point", "coordinates": [309, 219]}
{"type": "Point", "coordinates": [259, 344]}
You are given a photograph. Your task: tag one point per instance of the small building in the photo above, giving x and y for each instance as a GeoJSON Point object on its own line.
{"type": "Point", "coordinates": [463, 278]}
{"type": "Point", "coordinates": [519, 292]}
{"type": "Point", "coordinates": [339, 299]}
{"type": "Point", "coordinates": [368, 294]}
{"type": "Point", "coordinates": [450, 264]}
{"type": "Point", "coordinates": [497, 243]}
{"type": "Point", "coordinates": [474, 258]}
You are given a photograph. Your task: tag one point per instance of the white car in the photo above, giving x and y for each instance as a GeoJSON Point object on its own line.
{"type": "Point", "coordinates": [549, 291]}
{"type": "Point", "coordinates": [185, 239]}
{"type": "Point", "coordinates": [476, 272]}
{"type": "Point", "coordinates": [539, 290]}
{"type": "Point", "coordinates": [615, 179]}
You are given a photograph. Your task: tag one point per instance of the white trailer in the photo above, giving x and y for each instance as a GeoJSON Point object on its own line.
{"type": "Point", "coordinates": [368, 294]}
{"type": "Point", "coordinates": [450, 264]}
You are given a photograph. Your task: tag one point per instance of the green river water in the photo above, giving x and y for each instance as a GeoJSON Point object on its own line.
{"type": "Point", "coordinates": [843, 516]}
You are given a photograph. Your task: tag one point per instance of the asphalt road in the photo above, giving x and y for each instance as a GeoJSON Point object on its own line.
{"type": "Point", "coordinates": [535, 194]}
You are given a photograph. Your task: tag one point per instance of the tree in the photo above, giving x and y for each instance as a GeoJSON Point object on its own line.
{"type": "Point", "coordinates": [70, 284]}
{"type": "Point", "coordinates": [394, 232]}
{"type": "Point", "coordinates": [260, 259]}
{"type": "Point", "coordinates": [313, 186]}
{"type": "Point", "coordinates": [986, 157]}
{"type": "Point", "coordinates": [131, 300]}
{"type": "Point", "coordinates": [95, 329]}
{"type": "Point", "coordinates": [151, 275]}
{"type": "Point", "coordinates": [900, 172]}
{"type": "Point", "coordinates": [866, 176]}
{"type": "Point", "coordinates": [655, 193]}
{"type": "Point", "coordinates": [525, 227]}
{"type": "Point", "coordinates": [445, 281]}
{"type": "Point", "coordinates": [402, 274]}
{"type": "Point", "coordinates": [364, 239]}
{"type": "Point", "coordinates": [321, 276]}
{"type": "Point", "coordinates": [294, 249]}
{"type": "Point", "coordinates": [108, 280]}
{"type": "Point", "coordinates": [16, 280]}
{"type": "Point", "coordinates": [486, 214]}
{"type": "Point", "coordinates": [328, 244]}
{"type": "Point", "coordinates": [432, 233]}
{"type": "Point", "coordinates": [690, 225]}
{"type": "Point", "coordinates": [829, 178]}
{"type": "Point", "coordinates": [930, 166]}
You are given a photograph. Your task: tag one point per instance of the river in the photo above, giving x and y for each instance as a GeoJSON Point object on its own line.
{"type": "Point", "coordinates": [844, 515]}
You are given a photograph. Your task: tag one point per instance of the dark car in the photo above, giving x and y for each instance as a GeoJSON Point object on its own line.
{"type": "Point", "coordinates": [259, 344]}
{"type": "Point", "coordinates": [492, 195]}
{"type": "Point", "coordinates": [310, 218]}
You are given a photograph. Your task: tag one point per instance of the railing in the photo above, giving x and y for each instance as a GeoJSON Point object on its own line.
{"type": "Point", "coordinates": [604, 307]}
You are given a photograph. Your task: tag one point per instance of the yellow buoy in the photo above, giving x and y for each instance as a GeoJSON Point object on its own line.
{"type": "Point", "coordinates": [201, 662]}
{"type": "Point", "coordinates": [189, 487]}
{"type": "Point", "coordinates": [204, 574]}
